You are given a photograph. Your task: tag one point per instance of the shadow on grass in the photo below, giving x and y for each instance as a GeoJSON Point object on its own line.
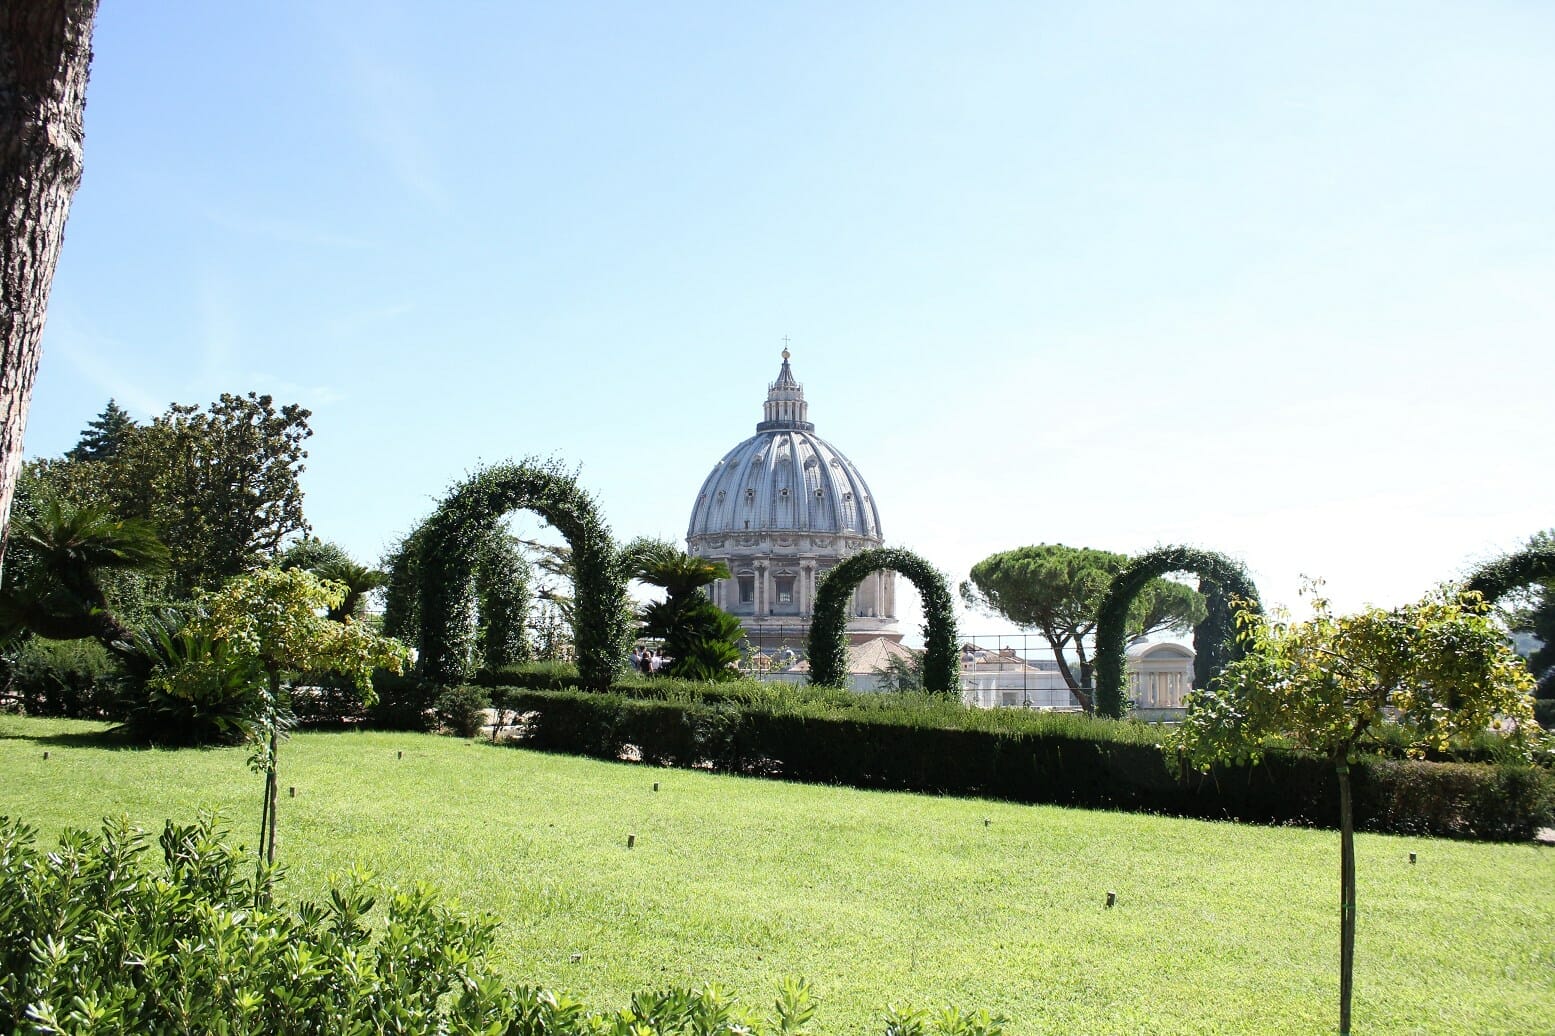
{"type": "Point", "coordinates": [113, 739]}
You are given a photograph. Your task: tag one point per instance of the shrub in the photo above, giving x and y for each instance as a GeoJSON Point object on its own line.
{"type": "Point", "coordinates": [94, 940]}
{"type": "Point", "coordinates": [198, 691]}
{"type": "Point", "coordinates": [537, 676]}
{"type": "Point", "coordinates": [404, 702]}
{"type": "Point", "coordinates": [77, 679]}
{"type": "Point", "coordinates": [325, 699]}
{"type": "Point", "coordinates": [462, 710]}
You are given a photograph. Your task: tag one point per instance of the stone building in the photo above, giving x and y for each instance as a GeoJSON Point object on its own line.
{"type": "Point", "coordinates": [780, 509]}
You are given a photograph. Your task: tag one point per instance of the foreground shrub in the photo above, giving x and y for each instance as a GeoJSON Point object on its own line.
{"type": "Point", "coordinates": [92, 939]}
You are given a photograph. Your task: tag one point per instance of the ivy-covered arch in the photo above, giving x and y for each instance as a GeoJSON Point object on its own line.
{"type": "Point", "coordinates": [449, 544]}
{"type": "Point", "coordinates": [1533, 564]}
{"type": "Point", "coordinates": [828, 625]}
{"type": "Point", "coordinates": [1214, 642]}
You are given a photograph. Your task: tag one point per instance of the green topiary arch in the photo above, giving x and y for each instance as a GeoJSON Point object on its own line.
{"type": "Point", "coordinates": [1533, 564]}
{"type": "Point", "coordinates": [828, 625]}
{"type": "Point", "coordinates": [1214, 642]}
{"type": "Point", "coordinates": [449, 544]}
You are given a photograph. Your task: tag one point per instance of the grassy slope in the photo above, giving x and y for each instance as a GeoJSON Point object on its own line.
{"type": "Point", "coordinates": [874, 897]}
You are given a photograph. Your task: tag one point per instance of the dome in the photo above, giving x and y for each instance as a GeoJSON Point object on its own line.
{"type": "Point", "coordinates": [781, 510]}
{"type": "Point", "coordinates": [785, 478]}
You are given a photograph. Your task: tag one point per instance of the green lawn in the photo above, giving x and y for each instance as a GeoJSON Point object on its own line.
{"type": "Point", "coordinates": [873, 897]}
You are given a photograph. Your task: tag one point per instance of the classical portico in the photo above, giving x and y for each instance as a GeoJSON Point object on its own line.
{"type": "Point", "coordinates": [780, 509]}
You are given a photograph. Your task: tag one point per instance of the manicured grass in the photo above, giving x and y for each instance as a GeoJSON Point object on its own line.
{"type": "Point", "coordinates": [874, 897]}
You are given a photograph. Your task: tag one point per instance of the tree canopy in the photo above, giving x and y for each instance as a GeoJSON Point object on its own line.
{"type": "Point", "coordinates": [1057, 590]}
{"type": "Point", "coordinates": [221, 486]}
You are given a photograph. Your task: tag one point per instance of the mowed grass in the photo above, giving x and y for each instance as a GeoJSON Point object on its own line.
{"type": "Point", "coordinates": [876, 898]}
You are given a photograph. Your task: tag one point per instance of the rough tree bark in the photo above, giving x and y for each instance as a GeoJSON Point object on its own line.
{"type": "Point", "coordinates": [45, 52]}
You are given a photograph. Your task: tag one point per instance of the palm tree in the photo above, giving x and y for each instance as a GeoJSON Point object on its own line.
{"type": "Point", "coordinates": [359, 581]}
{"type": "Point", "coordinates": [61, 550]}
{"type": "Point", "coordinates": [698, 635]}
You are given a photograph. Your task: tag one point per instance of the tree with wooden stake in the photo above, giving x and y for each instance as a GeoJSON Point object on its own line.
{"type": "Point", "coordinates": [1438, 671]}
{"type": "Point", "coordinates": [279, 618]}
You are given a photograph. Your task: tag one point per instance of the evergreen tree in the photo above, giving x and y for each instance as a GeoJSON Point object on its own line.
{"type": "Point", "coordinates": [105, 437]}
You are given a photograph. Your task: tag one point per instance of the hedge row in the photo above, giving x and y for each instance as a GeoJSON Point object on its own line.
{"type": "Point", "coordinates": [1055, 766]}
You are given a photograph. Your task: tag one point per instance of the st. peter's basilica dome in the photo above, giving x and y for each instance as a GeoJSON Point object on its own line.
{"type": "Point", "coordinates": [780, 509]}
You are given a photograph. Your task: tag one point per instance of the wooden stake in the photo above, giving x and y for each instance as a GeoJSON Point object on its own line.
{"type": "Point", "coordinates": [1112, 897]}
{"type": "Point", "coordinates": [631, 840]}
{"type": "Point", "coordinates": [1411, 857]}
{"type": "Point", "coordinates": [655, 785]}
{"type": "Point", "coordinates": [293, 791]}
{"type": "Point", "coordinates": [45, 755]}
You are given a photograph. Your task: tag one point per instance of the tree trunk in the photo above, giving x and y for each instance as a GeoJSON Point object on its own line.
{"type": "Point", "coordinates": [1080, 691]}
{"type": "Point", "coordinates": [45, 51]}
{"type": "Point", "coordinates": [272, 786]}
{"type": "Point", "coordinates": [1346, 898]}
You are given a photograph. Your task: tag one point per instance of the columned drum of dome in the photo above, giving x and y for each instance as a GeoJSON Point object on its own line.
{"type": "Point", "coordinates": [780, 509]}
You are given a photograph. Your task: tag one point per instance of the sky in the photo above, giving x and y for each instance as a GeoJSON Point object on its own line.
{"type": "Point", "coordinates": [1271, 280]}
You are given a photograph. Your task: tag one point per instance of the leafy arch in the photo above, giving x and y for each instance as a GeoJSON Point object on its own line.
{"type": "Point", "coordinates": [1220, 580]}
{"type": "Point", "coordinates": [1533, 564]}
{"type": "Point", "coordinates": [828, 627]}
{"type": "Point", "coordinates": [449, 546]}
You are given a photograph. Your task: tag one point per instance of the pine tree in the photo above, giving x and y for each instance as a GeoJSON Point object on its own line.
{"type": "Point", "coordinates": [103, 438]}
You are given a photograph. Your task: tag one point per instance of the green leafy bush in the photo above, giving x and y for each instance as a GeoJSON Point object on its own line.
{"type": "Point", "coordinates": [404, 702]}
{"type": "Point", "coordinates": [77, 679]}
{"type": "Point", "coordinates": [92, 939]}
{"type": "Point", "coordinates": [198, 691]}
{"type": "Point", "coordinates": [462, 710]}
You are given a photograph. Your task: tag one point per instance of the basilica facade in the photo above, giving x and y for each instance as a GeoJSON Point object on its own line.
{"type": "Point", "coordinates": [780, 509]}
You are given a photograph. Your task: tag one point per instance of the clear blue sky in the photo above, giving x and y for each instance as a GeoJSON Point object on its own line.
{"type": "Point", "coordinates": [1276, 281]}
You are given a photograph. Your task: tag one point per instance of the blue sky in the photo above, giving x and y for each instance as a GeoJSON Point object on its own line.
{"type": "Point", "coordinates": [1275, 281]}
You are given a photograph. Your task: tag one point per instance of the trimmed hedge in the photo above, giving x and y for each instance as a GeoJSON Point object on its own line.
{"type": "Point", "coordinates": [828, 649]}
{"type": "Point", "coordinates": [1220, 579]}
{"type": "Point", "coordinates": [1115, 768]}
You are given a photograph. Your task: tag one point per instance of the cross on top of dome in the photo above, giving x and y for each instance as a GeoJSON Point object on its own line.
{"type": "Point", "coordinates": [785, 406]}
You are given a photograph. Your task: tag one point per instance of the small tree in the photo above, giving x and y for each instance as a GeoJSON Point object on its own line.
{"type": "Point", "coordinates": [1439, 670]}
{"type": "Point", "coordinates": [279, 618]}
{"type": "Point", "coordinates": [700, 637]}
